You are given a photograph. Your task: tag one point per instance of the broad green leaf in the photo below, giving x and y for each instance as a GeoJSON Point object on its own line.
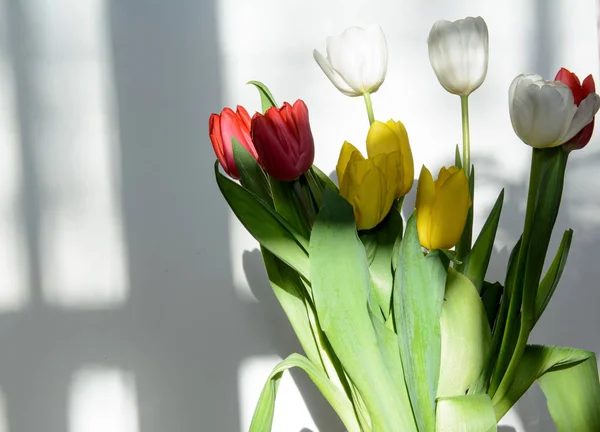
{"type": "Point", "coordinates": [466, 336]}
{"type": "Point", "coordinates": [292, 297]}
{"type": "Point", "coordinates": [388, 345]}
{"type": "Point", "coordinates": [573, 396]}
{"type": "Point", "coordinates": [477, 261]}
{"type": "Point", "coordinates": [289, 206]}
{"type": "Point", "coordinates": [379, 246]}
{"type": "Point", "coordinates": [473, 413]}
{"type": "Point", "coordinates": [266, 226]}
{"type": "Point", "coordinates": [266, 98]}
{"type": "Point", "coordinates": [491, 294]}
{"type": "Point", "coordinates": [550, 281]}
{"type": "Point", "coordinates": [263, 415]}
{"type": "Point", "coordinates": [569, 379]}
{"type": "Point", "coordinates": [252, 176]}
{"type": "Point", "coordinates": [418, 297]}
{"type": "Point", "coordinates": [324, 179]}
{"type": "Point", "coordinates": [340, 282]}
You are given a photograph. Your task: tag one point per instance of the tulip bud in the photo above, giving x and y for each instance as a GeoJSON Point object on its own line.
{"type": "Point", "coordinates": [388, 138]}
{"type": "Point", "coordinates": [356, 61]}
{"type": "Point", "coordinates": [544, 113]}
{"type": "Point", "coordinates": [458, 52]}
{"type": "Point", "coordinates": [367, 184]}
{"type": "Point", "coordinates": [371, 185]}
{"type": "Point", "coordinates": [284, 141]}
{"type": "Point", "coordinates": [580, 92]}
{"type": "Point", "coordinates": [442, 207]}
{"type": "Point", "coordinates": [222, 128]}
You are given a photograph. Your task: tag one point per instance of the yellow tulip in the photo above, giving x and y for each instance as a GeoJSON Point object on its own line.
{"type": "Point", "coordinates": [372, 184]}
{"type": "Point", "coordinates": [391, 137]}
{"type": "Point", "coordinates": [442, 207]}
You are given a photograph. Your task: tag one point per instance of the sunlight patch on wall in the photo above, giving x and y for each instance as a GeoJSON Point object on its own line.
{"type": "Point", "coordinates": [14, 287]}
{"type": "Point", "coordinates": [103, 400]}
{"type": "Point", "coordinates": [83, 250]}
{"type": "Point", "coordinates": [290, 415]}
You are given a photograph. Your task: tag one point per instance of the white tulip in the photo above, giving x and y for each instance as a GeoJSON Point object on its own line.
{"type": "Point", "coordinates": [458, 52]}
{"type": "Point", "coordinates": [543, 113]}
{"type": "Point", "coordinates": [356, 61]}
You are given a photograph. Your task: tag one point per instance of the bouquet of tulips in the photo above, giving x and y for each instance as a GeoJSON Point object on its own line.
{"type": "Point", "coordinates": [400, 329]}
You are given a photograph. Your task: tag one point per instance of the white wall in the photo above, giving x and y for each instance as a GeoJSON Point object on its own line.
{"type": "Point", "coordinates": [130, 298]}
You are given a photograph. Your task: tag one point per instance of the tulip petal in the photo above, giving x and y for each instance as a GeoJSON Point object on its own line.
{"type": "Point", "coordinates": [347, 54]}
{"type": "Point", "coordinates": [333, 76]}
{"type": "Point", "coordinates": [584, 115]}
{"type": "Point", "coordinates": [368, 194]}
{"type": "Point", "coordinates": [381, 139]}
{"type": "Point", "coordinates": [450, 211]}
{"type": "Point", "coordinates": [346, 153]}
{"type": "Point", "coordinates": [424, 206]}
{"type": "Point", "coordinates": [375, 63]}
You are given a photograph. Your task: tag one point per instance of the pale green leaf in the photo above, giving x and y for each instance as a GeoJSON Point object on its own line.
{"type": "Point", "coordinates": [572, 382]}
{"type": "Point", "coordinates": [340, 282]}
{"type": "Point", "coordinates": [466, 336]}
{"type": "Point", "coordinates": [266, 226]}
{"type": "Point", "coordinates": [263, 415]}
{"type": "Point", "coordinates": [472, 413]}
{"type": "Point", "coordinates": [418, 296]}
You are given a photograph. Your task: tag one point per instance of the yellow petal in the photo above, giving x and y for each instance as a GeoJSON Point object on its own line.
{"type": "Point", "coordinates": [424, 206]}
{"type": "Point", "coordinates": [346, 153]}
{"type": "Point", "coordinates": [444, 175]}
{"type": "Point", "coordinates": [381, 139]}
{"type": "Point", "coordinates": [388, 164]}
{"type": "Point", "coordinates": [365, 188]}
{"type": "Point", "coordinates": [450, 209]}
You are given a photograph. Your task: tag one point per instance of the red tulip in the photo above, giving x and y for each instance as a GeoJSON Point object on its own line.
{"type": "Point", "coordinates": [284, 141]}
{"type": "Point", "coordinates": [222, 128]}
{"type": "Point", "coordinates": [580, 92]}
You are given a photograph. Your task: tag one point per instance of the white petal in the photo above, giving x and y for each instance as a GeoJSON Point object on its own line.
{"type": "Point", "coordinates": [375, 61]}
{"type": "Point", "coordinates": [540, 111]}
{"type": "Point", "coordinates": [585, 114]}
{"type": "Point", "coordinates": [333, 76]}
{"type": "Point", "coordinates": [458, 52]}
{"type": "Point", "coordinates": [346, 53]}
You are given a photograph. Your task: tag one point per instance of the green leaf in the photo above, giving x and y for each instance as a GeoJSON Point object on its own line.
{"type": "Point", "coordinates": [263, 415]}
{"type": "Point", "coordinates": [550, 281]}
{"type": "Point", "coordinates": [463, 248]}
{"type": "Point", "coordinates": [292, 297]}
{"type": "Point", "coordinates": [340, 282]}
{"type": "Point", "coordinates": [418, 297]}
{"type": "Point", "coordinates": [252, 176]}
{"type": "Point", "coordinates": [473, 413]}
{"type": "Point", "coordinates": [569, 379]}
{"type": "Point", "coordinates": [316, 187]}
{"type": "Point", "coordinates": [379, 245]}
{"type": "Point", "coordinates": [477, 261]}
{"type": "Point", "coordinates": [324, 179]}
{"type": "Point", "coordinates": [573, 396]}
{"type": "Point", "coordinates": [289, 207]}
{"type": "Point", "coordinates": [466, 336]}
{"type": "Point", "coordinates": [457, 157]}
{"type": "Point", "coordinates": [266, 226]}
{"type": "Point", "coordinates": [490, 296]}
{"type": "Point", "coordinates": [266, 98]}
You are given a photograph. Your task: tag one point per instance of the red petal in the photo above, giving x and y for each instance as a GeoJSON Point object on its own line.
{"type": "Point", "coordinates": [230, 127]}
{"type": "Point", "coordinates": [588, 86]}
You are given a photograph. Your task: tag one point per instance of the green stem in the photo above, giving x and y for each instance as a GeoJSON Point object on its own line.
{"type": "Point", "coordinates": [464, 105]}
{"type": "Point", "coordinates": [306, 205]}
{"type": "Point", "coordinates": [367, 97]}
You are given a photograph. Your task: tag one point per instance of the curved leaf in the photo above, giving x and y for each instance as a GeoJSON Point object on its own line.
{"type": "Point", "coordinates": [473, 413]}
{"type": "Point", "coordinates": [262, 419]}
{"type": "Point", "coordinates": [266, 98]}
